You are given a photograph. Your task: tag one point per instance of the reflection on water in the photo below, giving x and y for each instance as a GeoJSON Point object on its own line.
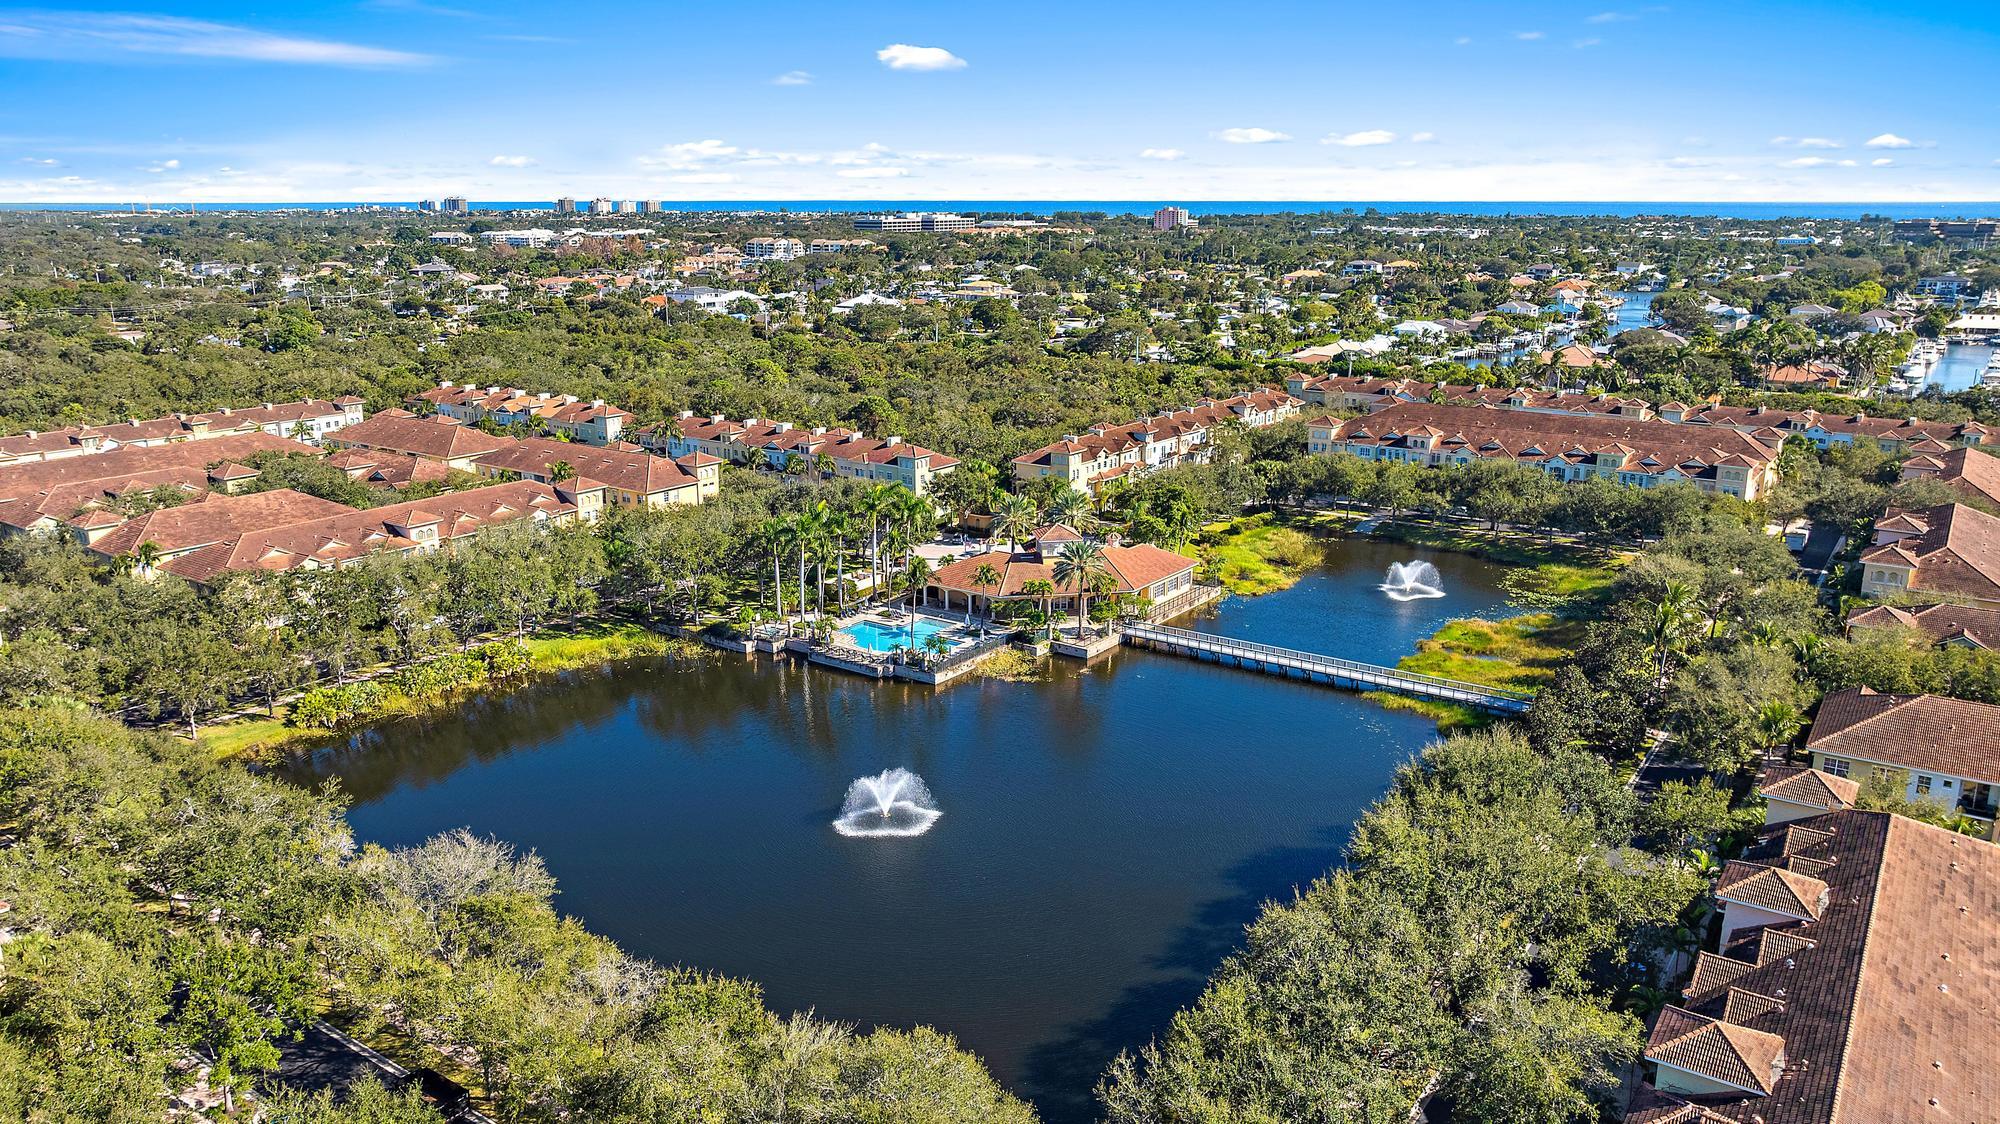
{"type": "Point", "coordinates": [1107, 834]}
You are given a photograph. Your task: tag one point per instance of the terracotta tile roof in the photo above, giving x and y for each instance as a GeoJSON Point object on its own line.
{"type": "Point", "coordinates": [1954, 549]}
{"type": "Point", "coordinates": [1772, 889]}
{"type": "Point", "coordinates": [1928, 733]}
{"type": "Point", "coordinates": [1720, 1051]}
{"type": "Point", "coordinates": [1808, 787]}
{"type": "Point", "coordinates": [1135, 567]}
{"type": "Point", "coordinates": [1192, 422]}
{"type": "Point", "coordinates": [1885, 1005]}
{"type": "Point", "coordinates": [1973, 471]}
{"type": "Point", "coordinates": [279, 413]}
{"type": "Point", "coordinates": [1636, 444]}
{"type": "Point", "coordinates": [1944, 623]}
{"type": "Point", "coordinates": [32, 492]}
{"type": "Point", "coordinates": [437, 438]}
{"type": "Point", "coordinates": [380, 466]}
{"type": "Point", "coordinates": [628, 469]}
{"type": "Point", "coordinates": [215, 518]}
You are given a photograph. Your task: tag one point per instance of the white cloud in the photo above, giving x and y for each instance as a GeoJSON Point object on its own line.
{"type": "Point", "coordinates": [115, 37]}
{"type": "Point", "coordinates": [704, 177]}
{"type": "Point", "coordinates": [1890, 140]}
{"type": "Point", "coordinates": [1808, 162]}
{"type": "Point", "coordinates": [1366, 138]}
{"type": "Point", "coordinates": [902, 56]}
{"type": "Point", "coordinates": [1881, 162]}
{"type": "Point", "coordinates": [1611, 17]}
{"type": "Point", "coordinates": [1690, 162]}
{"type": "Point", "coordinates": [163, 166]}
{"type": "Point", "coordinates": [793, 78]}
{"type": "Point", "coordinates": [39, 161]}
{"type": "Point", "coordinates": [1463, 40]}
{"type": "Point", "coordinates": [872, 173]}
{"type": "Point", "coordinates": [690, 154]}
{"type": "Point", "coordinates": [1530, 36]}
{"type": "Point", "coordinates": [1805, 142]}
{"type": "Point", "coordinates": [1251, 136]}
{"type": "Point", "coordinates": [1581, 44]}
{"type": "Point", "coordinates": [1422, 138]}
{"type": "Point", "coordinates": [1161, 154]}
{"type": "Point", "coordinates": [512, 161]}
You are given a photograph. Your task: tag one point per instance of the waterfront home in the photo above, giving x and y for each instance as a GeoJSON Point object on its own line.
{"type": "Point", "coordinates": [1139, 571]}
{"type": "Point", "coordinates": [287, 530]}
{"type": "Point", "coordinates": [1964, 626]}
{"type": "Point", "coordinates": [309, 420]}
{"type": "Point", "coordinates": [439, 438]}
{"type": "Point", "coordinates": [1855, 982]}
{"type": "Point", "coordinates": [1575, 356]}
{"type": "Point", "coordinates": [628, 473]}
{"type": "Point", "coordinates": [1943, 750]}
{"type": "Point", "coordinates": [1973, 473]}
{"type": "Point", "coordinates": [1164, 440]}
{"type": "Point", "coordinates": [1570, 447]}
{"type": "Point", "coordinates": [593, 422]}
{"type": "Point", "coordinates": [849, 453]}
{"type": "Point", "coordinates": [43, 496]}
{"type": "Point", "coordinates": [1949, 551]}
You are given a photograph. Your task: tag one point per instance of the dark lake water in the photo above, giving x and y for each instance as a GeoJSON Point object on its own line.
{"type": "Point", "coordinates": [1106, 833]}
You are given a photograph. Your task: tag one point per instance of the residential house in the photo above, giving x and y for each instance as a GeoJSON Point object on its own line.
{"type": "Point", "coordinates": [439, 438]}
{"type": "Point", "coordinates": [48, 495]}
{"type": "Point", "coordinates": [1947, 624]}
{"type": "Point", "coordinates": [849, 453]}
{"type": "Point", "coordinates": [1974, 473]}
{"type": "Point", "coordinates": [1856, 981]}
{"type": "Point", "coordinates": [1165, 440]}
{"type": "Point", "coordinates": [1570, 447]}
{"type": "Point", "coordinates": [1363, 267]}
{"type": "Point", "coordinates": [773, 249]}
{"type": "Point", "coordinates": [286, 530]}
{"type": "Point", "coordinates": [1368, 392]}
{"type": "Point", "coordinates": [307, 420]}
{"type": "Point", "coordinates": [1139, 571]}
{"type": "Point", "coordinates": [593, 422]}
{"type": "Point", "coordinates": [1943, 750]}
{"type": "Point", "coordinates": [1576, 357]}
{"type": "Point", "coordinates": [1950, 551]}
{"type": "Point", "coordinates": [1891, 435]}
{"type": "Point", "coordinates": [384, 469]}
{"type": "Point", "coordinates": [628, 473]}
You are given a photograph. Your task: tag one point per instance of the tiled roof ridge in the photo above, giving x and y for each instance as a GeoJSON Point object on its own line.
{"type": "Point", "coordinates": [1868, 954]}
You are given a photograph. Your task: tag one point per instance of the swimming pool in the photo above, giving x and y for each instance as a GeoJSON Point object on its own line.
{"type": "Point", "coordinates": [874, 636]}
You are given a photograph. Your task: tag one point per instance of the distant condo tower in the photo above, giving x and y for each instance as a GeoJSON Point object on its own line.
{"type": "Point", "coordinates": [1171, 218]}
{"type": "Point", "coordinates": [910, 222]}
{"type": "Point", "coordinates": [566, 206]}
{"type": "Point", "coordinates": [456, 205]}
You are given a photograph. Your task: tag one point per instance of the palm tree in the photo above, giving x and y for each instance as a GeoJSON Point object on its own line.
{"type": "Point", "coordinates": [837, 526]}
{"type": "Point", "coordinates": [756, 458]}
{"type": "Point", "coordinates": [1182, 522]}
{"type": "Point", "coordinates": [1042, 590]}
{"type": "Point", "coordinates": [986, 577]}
{"type": "Point", "coordinates": [774, 536]}
{"type": "Point", "coordinates": [805, 541]}
{"type": "Point", "coordinates": [1014, 518]}
{"type": "Point", "coordinates": [1669, 621]}
{"type": "Point", "coordinates": [823, 464]}
{"type": "Point", "coordinates": [1778, 722]}
{"type": "Point", "coordinates": [1068, 506]}
{"type": "Point", "coordinates": [560, 471]}
{"type": "Point", "coordinates": [936, 647]}
{"type": "Point", "coordinates": [1082, 567]}
{"type": "Point", "coordinates": [916, 575]}
{"type": "Point", "coordinates": [145, 556]}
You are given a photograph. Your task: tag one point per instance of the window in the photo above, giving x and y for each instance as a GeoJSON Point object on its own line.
{"type": "Point", "coordinates": [1834, 766]}
{"type": "Point", "coordinates": [1923, 784]}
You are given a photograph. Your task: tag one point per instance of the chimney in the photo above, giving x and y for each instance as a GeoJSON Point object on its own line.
{"type": "Point", "coordinates": [783, 427]}
{"type": "Point", "coordinates": [597, 401]}
{"type": "Point", "coordinates": [686, 414]}
{"type": "Point", "coordinates": [819, 431]}
{"type": "Point", "coordinates": [715, 418]}
{"type": "Point", "coordinates": [444, 383]}
{"type": "Point", "coordinates": [892, 441]}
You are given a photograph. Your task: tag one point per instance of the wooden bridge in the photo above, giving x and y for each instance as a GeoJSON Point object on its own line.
{"type": "Point", "coordinates": [1315, 668]}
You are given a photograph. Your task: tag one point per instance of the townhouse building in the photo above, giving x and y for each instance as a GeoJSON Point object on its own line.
{"type": "Point", "coordinates": [1175, 437]}
{"type": "Point", "coordinates": [1855, 981]}
{"type": "Point", "coordinates": [784, 447]}
{"type": "Point", "coordinates": [1570, 447]}
{"type": "Point", "coordinates": [1948, 552]}
{"type": "Point", "coordinates": [72, 494]}
{"type": "Point", "coordinates": [1943, 750]}
{"type": "Point", "coordinates": [593, 422]}
{"type": "Point", "coordinates": [628, 473]}
{"type": "Point", "coordinates": [308, 420]}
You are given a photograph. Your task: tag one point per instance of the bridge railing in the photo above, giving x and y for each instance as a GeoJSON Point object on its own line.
{"type": "Point", "coordinates": [1431, 684]}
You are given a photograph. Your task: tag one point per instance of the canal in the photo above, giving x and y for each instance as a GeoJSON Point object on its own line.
{"type": "Point", "coordinates": [1106, 832]}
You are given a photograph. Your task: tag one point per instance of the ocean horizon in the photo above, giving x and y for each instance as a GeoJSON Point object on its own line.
{"type": "Point", "coordinates": [1047, 207]}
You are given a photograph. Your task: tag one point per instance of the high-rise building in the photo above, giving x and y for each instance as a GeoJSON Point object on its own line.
{"type": "Point", "coordinates": [628, 207]}
{"type": "Point", "coordinates": [456, 205]}
{"type": "Point", "coordinates": [649, 206]}
{"type": "Point", "coordinates": [600, 206]}
{"type": "Point", "coordinates": [1172, 218]}
{"type": "Point", "coordinates": [427, 205]}
{"type": "Point", "coordinates": [910, 222]}
{"type": "Point", "coordinates": [565, 206]}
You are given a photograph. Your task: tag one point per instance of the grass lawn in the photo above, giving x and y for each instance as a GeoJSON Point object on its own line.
{"type": "Point", "coordinates": [1259, 553]}
{"type": "Point", "coordinates": [253, 737]}
{"type": "Point", "coordinates": [1520, 653]}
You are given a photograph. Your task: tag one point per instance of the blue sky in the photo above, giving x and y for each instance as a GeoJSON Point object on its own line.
{"type": "Point", "coordinates": [1259, 99]}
